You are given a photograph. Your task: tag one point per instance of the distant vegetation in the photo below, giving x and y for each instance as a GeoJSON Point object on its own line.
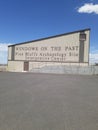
{"type": "Point", "coordinates": [3, 67]}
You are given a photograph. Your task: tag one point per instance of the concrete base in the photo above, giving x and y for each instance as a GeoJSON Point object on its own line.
{"type": "Point", "coordinates": [84, 70]}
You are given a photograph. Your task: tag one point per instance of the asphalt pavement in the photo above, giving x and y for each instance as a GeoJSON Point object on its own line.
{"type": "Point", "coordinates": [31, 101]}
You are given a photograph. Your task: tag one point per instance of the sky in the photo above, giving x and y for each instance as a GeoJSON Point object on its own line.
{"type": "Point", "coordinates": [25, 20]}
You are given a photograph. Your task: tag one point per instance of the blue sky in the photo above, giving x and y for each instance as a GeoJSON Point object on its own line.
{"type": "Point", "coordinates": [24, 20]}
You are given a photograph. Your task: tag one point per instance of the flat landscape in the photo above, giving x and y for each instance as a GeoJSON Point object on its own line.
{"type": "Point", "coordinates": [31, 101]}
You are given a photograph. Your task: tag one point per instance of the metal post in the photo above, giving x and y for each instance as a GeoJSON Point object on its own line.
{"type": "Point", "coordinates": [82, 39]}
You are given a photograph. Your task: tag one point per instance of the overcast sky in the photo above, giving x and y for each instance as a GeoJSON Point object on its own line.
{"type": "Point", "coordinates": [24, 20]}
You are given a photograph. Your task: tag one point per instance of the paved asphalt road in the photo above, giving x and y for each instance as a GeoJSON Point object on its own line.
{"type": "Point", "coordinates": [48, 102]}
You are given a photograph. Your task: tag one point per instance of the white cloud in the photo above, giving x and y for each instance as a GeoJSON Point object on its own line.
{"type": "Point", "coordinates": [88, 8]}
{"type": "Point", "coordinates": [3, 52]}
{"type": "Point", "coordinates": [3, 47]}
{"type": "Point", "coordinates": [94, 56]}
